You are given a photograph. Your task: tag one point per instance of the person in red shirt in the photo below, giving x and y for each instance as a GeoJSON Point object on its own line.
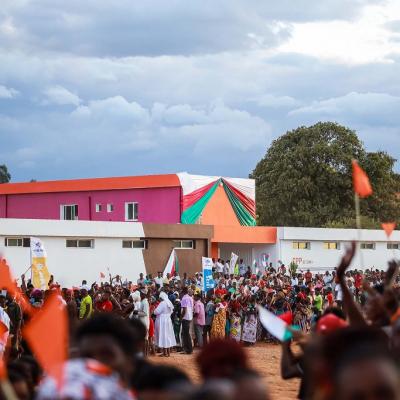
{"type": "Point", "coordinates": [104, 304]}
{"type": "Point", "coordinates": [308, 276]}
{"type": "Point", "coordinates": [329, 297]}
{"type": "Point", "coordinates": [220, 291]}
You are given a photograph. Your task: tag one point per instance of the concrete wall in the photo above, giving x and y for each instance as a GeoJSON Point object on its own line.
{"type": "Point", "coordinates": [318, 258]}
{"type": "Point", "coordinates": [156, 205]}
{"type": "Point", "coordinates": [71, 265]}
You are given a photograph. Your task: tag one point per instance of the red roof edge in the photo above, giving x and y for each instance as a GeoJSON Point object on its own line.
{"type": "Point", "coordinates": [84, 185]}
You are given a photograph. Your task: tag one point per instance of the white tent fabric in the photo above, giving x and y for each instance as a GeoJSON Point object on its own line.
{"type": "Point", "coordinates": [190, 183]}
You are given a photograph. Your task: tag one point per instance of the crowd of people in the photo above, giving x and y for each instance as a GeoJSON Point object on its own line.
{"type": "Point", "coordinates": [344, 324]}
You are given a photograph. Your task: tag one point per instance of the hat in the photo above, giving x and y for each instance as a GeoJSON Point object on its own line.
{"type": "Point", "coordinates": [85, 287]}
{"type": "Point", "coordinates": [329, 323]}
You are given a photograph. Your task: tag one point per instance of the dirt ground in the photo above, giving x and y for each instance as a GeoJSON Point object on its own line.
{"type": "Point", "coordinates": [265, 358]}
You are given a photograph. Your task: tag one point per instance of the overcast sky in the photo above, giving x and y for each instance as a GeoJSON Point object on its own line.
{"type": "Point", "coordinates": [106, 88]}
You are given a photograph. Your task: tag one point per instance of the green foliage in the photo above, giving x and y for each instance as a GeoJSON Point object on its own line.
{"type": "Point", "coordinates": [293, 268]}
{"type": "Point", "coordinates": [305, 179]}
{"type": "Point", "coordinates": [5, 176]}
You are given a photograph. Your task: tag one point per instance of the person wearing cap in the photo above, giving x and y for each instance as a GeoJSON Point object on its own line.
{"type": "Point", "coordinates": [86, 307]}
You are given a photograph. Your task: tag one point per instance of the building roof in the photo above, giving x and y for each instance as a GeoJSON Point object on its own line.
{"type": "Point", "coordinates": [83, 185]}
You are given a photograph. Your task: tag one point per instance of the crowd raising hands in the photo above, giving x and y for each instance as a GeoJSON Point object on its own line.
{"type": "Point", "coordinates": [344, 324]}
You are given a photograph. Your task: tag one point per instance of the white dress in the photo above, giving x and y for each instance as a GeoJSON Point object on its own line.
{"type": "Point", "coordinates": [164, 331]}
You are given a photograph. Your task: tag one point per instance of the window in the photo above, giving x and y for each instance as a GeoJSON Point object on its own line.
{"type": "Point", "coordinates": [17, 242]}
{"type": "Point", "coordinates": [134, 244]}
{"type": "Point", "coordinates": [110, 207]}
{"type": "Point", "coordinates": [393, 246]}
{"type": "Point", "coordinates": [367, 246]}
{"type": "Point", "coordinates": [98, 207]}
{"type": "Point", "coordinates": [302, 245]}
{"type": "Point", "coordinates": [81, 243]}
{"type": "Point", "coordinates": [131, 211]}
{"type": "Point", "coordinates": [331, 245]}
{"type": "Point", "coordinates": [69, 212]}
{"type": "Point", "coordinates": [184, 244]}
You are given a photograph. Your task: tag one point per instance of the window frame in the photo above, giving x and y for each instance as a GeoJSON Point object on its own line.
{"type": "Point", "coordinates": [180, 242]}
{"type": "Point", "coordinates": [78, 241]}
{"type": "Point", "coordinates": [393, 246]}
{"type": "Point", "coordinates": [131, 241]}
{"type": "Point", "coordinates": [135, 207]}
{"type": "Point", "coordinates": [327, 245]}
{"type": "Point", "coordinates": [110, 207]}
{"type": "Point", "coordinates": [296, 245]}
{"type": "Point", "coordinates": [25, 241]}
{"type": "Point", "coordinates": [62, 212]}
{"type": "Point", "coordinates": [364, 244]}
{"type": "Point", "coordinates": [98, 207]}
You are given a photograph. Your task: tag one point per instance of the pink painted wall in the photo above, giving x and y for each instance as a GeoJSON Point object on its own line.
{"type": "Point", "coordinates": [156, 205]}
{"type": "Point", "coordinates": [2, 206]}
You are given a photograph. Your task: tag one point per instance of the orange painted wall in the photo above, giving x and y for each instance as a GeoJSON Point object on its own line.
{"type": "Point", "coordinates": [245, 234]}
{"type": "Point", "coordinates": [219, 211]}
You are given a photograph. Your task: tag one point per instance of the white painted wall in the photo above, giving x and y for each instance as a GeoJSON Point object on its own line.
{"type": "Point", "coordinates": [248, 252]}
{"type": "Point", "coordinates": [71, 265]}
{"type": "Point", "coordinates": [318, 258]}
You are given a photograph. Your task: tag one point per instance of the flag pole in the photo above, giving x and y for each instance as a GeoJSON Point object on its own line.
{"type": "Point", "coordinates": [358, 224]}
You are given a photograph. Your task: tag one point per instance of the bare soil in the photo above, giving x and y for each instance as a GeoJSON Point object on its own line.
{"type": "Point", "coordinates": [265, 358]}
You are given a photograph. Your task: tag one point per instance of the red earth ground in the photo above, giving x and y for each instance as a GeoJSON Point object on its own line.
{"type": "Point", "coordinates": [265, 358]}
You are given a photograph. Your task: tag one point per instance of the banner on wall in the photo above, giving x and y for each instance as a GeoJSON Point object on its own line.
{"type": "Point", "coordinates": [40, 273]}
{"type": "Point", "coordinates": [208, 281]}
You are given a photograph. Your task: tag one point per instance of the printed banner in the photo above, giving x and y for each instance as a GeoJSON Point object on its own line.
{"type": "Point", "coordinates": [208, 281]}
{"type": "Point", "coordinates": [40, 273]}
{"type": "Point", "coordinates": [232, 264]}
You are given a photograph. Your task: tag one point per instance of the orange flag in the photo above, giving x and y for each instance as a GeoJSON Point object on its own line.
{"type": "Point", "coordinates": [102, 275]}
{"type": "Point", "coordinates": [361, 182]}
{"type": "Point", "coordinates": [7, 281]}
{"type": "Point", "coordinates": [47, 336]}
{"type": "Point", "coordinates": [388, 227]}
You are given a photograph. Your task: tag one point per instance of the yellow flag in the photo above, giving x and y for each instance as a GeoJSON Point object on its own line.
{"type": "Point", "coordinates": [40, 273]}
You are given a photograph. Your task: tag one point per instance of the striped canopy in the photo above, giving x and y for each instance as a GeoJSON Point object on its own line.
{"type": "Point", "coordinates": [198, 190]}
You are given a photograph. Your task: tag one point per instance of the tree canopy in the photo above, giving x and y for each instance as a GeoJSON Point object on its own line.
{"type": "Point", "coordinates": [5, 176]}
{"type": "Point", "coordinates": [305, 179]}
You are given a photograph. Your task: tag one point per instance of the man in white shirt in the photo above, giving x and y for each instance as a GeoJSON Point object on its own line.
{"type": "Point", "coordinates": [159, 279]}
{"type": "Point", "coordinates": [226, 268]}
{"type": "Point", "coordinates": [219, 266]}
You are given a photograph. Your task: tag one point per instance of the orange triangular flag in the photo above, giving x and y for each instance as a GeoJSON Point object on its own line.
{"type": "Point", "coordinates": [6, 281]}
{"type": "Point", "coordinates": [361, 182]}
{"type": "Point", "coordinates": [47, 336]}
{"type": "Point", "coordinates": [388, 227]}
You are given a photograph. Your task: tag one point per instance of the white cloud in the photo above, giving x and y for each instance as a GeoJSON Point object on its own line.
{"type": "Point", "coordinates": [363, 40]}
{"type": "Point", "coordinates": [7, 93]}
{"type": "Point", "coordinates": [366, 108]}
{"type": "Point", "coordinates": [60, 96]}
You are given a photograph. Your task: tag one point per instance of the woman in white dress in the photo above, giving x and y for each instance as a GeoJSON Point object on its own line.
{"type": "Point", "coordinates": [164, 331]}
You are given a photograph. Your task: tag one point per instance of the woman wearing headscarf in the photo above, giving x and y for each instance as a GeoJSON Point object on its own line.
{"type": "Point", "coordinates": [165, 337]}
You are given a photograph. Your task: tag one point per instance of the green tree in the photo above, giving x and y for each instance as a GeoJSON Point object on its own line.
{"type": "Point", "coordinates": [4, 174]}
{"type": "Point", "coordinates": [305, 179]}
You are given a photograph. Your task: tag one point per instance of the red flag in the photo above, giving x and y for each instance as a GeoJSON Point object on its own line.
{"type": "Point", "coordinates": [388, 227]}
{"type": "Point", "coordinates": [6, 281]}
{"type": "Point", "coordinates": [102, 275]}
{"type": "Point", "coordinates": [361, 182]}
{"type": "Point", "coordinates": [287, 317]}
{"type": "Point", "coordinates": [47, 336]}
